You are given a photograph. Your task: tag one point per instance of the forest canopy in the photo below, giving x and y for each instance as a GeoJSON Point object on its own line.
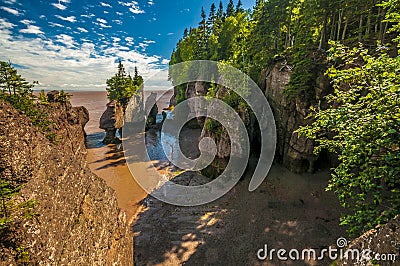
{"type": "Point", "coordinates": [356, 43]}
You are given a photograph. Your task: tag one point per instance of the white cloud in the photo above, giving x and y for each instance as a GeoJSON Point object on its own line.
{"type": "Point", "coordinates": [27, 22]}
{"type": "Point", "coordinates": [52, 24]}
{"type": "Point", "coordinates": [80, 67]}
{"type": "Point", "coordinates": [102, 23]}
{"type": "Point", "coordinates": [65, 39]}
{"type": "Point", "coordinates": [117, 21]}
{"type": "Point", "coordinates": [102, 20]}
{"type": "Point", "coordinates": [10, 10]}
{"type": "Point", "coordinates": [59, 6]}
{"type": "Point", "coordinates": [119, 13]}
{"type": "Point", "coordinates": [4, 24]}
{"type": "Point", "coordinates": [82, 29]}
{"type": "Point", "coordinates": [62, 62]}
{"type": "Point", "coordinates": [105, 4]}
{"type": "Point", "coordinates": [150, 2]}
{"type": "Point", "coordinates": [133, 7]}
{"type": "Point", "coordinates": [42, 16]}
{"type": "Point", "coordinates": [10, 2]}
{"type": "Point", "coordinates": [88, 15]}
{"type": "Point", "coordinates": [32, 29]}
{"type": "Point", "coordinates": [170, 33]}
{"type": "Point", "coordinates": [129, 41]}
{"type": "Point", "coordinates": [65, 1]}
{"type": "Point", "coordinates": [71, 19]}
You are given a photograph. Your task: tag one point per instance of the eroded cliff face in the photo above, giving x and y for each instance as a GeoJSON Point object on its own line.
{"type": "Point", "coordinates": [381, 245]}
{"type": "Point", "coordinates": [79, 222]}
{"type": "Point", "coordinates": [290, 112]}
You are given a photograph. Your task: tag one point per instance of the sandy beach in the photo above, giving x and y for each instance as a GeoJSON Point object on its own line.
{"type": "Point", "coordinates": [288, 210]}
{"type": "Point", "coordinates": [108, 161]}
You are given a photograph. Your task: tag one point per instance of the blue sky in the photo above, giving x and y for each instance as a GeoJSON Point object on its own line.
{"type": "Point", "coordinates": [74, 44]}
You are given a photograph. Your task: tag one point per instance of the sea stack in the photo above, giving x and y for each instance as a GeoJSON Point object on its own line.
{"type": "Point", "coordinates": [112, 120]}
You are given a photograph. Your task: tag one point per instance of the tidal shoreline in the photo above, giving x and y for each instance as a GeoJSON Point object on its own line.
{"type": "Point", "coordinates": [108, 161]}
{"type": "Point", "coordinates": [288, 210]}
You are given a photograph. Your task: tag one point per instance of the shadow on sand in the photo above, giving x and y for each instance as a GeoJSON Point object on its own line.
{"type": "Point", "coordinates": [288, 211]}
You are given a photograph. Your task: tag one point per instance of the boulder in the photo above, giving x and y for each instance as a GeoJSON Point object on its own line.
{"type": "Point", "coordinates": [51, 96]}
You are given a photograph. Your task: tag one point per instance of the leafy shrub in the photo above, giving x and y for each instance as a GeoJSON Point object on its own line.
{"type": "Point", "coordinates": [363, 127]}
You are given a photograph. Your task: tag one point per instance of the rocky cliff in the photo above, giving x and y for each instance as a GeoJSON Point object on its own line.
{"type": "Point", "coordinates": [290, 112]}
{"type": "Point", "coordinates": [380, 246]}
{"type": "Point", "coordinates": [79, 222]}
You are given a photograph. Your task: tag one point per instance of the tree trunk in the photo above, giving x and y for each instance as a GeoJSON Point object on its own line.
{"type": "Point", "coordinates": [333, 27]}
{"type": "Point", "coordinates": [384, 32]}
{"type": "Point", "coordinates": [377, 20]}
{"type": "Point", "coordinates": [345, 28]}
{"type": "Point", "coordinates": [360, 31]}
{"type": "Point", "coordinates": [339, 24]}
{"type": "Point", "coordinates": [368, 26]}
{"type": "Point", "coordinates": [323, 32]}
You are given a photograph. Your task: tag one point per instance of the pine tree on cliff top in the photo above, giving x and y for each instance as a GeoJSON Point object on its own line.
{"type": "Point", "coordinates": [122, 86]}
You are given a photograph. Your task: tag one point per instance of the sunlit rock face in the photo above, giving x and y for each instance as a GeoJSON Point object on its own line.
{"type": "Point", "coordinates": [79, 222]}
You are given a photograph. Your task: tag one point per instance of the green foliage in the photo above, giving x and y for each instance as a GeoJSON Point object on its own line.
{"type": "Point", "coordinates": [62, 97]}
{"type": "Point", "coordinates": [12, 215]}
{"type": "Point", "coordinates": [18, 93]}
{"type": "Point", "coordinates": [303, 75]}
{"type": "Point", "coordinates": [393, 16]}
{"type": "Point", "coordinates": [11, 81]}
{"type": "Point", "coordinates": [363, 128]}
{"type": "Point", "coordinates": [43, 98]}
{"type": "Point", "coordinates": [214, 127]}
{"type": "Point", "coordinates": [122, 86]}
{"type": "Point", "coordinates": [10, 211]}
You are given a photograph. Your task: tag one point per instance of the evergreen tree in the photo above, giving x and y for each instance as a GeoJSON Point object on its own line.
{"type": "Point", "coordinates": [121, 87]}
{"type": "Point", "coordinates": [239, 7]}
{"type": "Point", "coordinates": [230, 9]}
{"type": "Point", "coordinates": [220, 11]}
{"type": "Point", "coordinates": [202, 36]}
{"type": "Point", "coordinates": [137, 79]}
{"type": "Point", "coordinates": [211, 19]}
{"type": "Point", "coordinates": [11, 81]}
